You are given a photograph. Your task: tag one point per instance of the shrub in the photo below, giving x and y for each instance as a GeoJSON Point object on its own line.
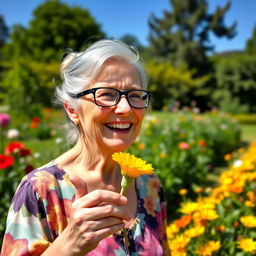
{"type": "Point", "coordinates": [245, 118]}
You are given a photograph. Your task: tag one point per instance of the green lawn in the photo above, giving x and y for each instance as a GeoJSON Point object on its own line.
{"type": "Point", "coordinates": [248, 132]}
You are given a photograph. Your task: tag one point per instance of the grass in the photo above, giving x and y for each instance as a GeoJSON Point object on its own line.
{"type": "Point", "coordinates": [248, 132]}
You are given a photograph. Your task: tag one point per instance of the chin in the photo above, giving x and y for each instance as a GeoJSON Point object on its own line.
{"type": "Point", "coordinates": [117, 147]}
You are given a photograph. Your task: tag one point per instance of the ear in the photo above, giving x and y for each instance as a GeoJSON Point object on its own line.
{"type": "Point", "coordinates": [71, 113]}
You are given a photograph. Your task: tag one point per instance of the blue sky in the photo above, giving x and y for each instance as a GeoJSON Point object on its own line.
{"type": "Point", "coordinates": [118, 17]}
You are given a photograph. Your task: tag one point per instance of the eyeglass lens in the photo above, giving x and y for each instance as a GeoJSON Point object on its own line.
{"type": "Point", "coordinates": [109, 97]}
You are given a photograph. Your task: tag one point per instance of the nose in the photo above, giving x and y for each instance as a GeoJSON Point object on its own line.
{"type": "Point", "coordinates": [123, 106]}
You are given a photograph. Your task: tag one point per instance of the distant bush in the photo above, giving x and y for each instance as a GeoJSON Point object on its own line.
{"type": "Point", "coordinates": [235, 83]}
{"type": "Point", "coordinates": [245, 118]}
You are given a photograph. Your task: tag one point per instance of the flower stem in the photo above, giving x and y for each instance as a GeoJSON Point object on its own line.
{"type": "Point", "coordinates": [125, 183]}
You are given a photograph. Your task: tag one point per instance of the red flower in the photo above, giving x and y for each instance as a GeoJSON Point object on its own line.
{"type": "Point", "coordinates": [36, 120]}
{"type": "Point", "coordinates": [13, 147]}
{"type": "Point", "coordinates": [25, 152]}
{"type": "Point", "coordinates": [29, 168]}
{"type": "Point", "coordinates": [6, 161]}
{"type": "Point", "coordinates": [183, 145]}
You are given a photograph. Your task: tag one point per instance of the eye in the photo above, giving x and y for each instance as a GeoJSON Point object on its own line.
{"type": "Point", "coordinates": [106, 94]}
{"type": "Point", "coordinates": [136, 95]}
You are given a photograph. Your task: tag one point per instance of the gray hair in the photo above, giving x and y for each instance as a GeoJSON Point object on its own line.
{"type": "Point", "coordinates": [79, 69]}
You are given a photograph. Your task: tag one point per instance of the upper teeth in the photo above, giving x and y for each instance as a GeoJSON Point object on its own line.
{"type": "Point", "coordinates": [119, 126]}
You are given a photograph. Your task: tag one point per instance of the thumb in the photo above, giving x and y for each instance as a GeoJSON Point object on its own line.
{"type": "Point", "coordinates": [80, 185]}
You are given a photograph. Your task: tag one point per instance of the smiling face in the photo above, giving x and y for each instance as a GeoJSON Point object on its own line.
{"type": "Point", "coordinates": [112, 128]}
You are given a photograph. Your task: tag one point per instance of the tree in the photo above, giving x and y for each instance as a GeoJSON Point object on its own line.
{"type": "Point", "coordinates": [32, 57]}
{"type": "Point", "coordinates": [182, 35]}
{"type": "Point", "coordinates": [251, 43]}
{"type": "Point", "coordinates": [55, 26]}
{"type": "Point", "coordinates": [3, 31]}
{"type": "Point", "coordinates": [235, 83]}
{"type": "Point", "coordinates": [131, 40]}
{"type": "Point", "coordinates": [171, 84]}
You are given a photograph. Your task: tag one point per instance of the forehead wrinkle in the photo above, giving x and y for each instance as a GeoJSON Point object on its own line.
{"type": "Point", "coordinates": [114, 75]}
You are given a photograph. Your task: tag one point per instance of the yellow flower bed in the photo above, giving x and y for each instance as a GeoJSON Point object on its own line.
{"type": "Point", "coordinates": [221, 222]}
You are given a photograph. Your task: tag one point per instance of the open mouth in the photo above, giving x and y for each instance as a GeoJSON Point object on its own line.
{"type": "Point", "coordinates": [119, 127]}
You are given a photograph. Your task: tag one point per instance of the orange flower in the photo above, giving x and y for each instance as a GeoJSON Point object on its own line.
{"type": "Point", "coordinates": [202, 143]}
{"type": "Point", "coordinates": [227, 157]}
{"type": "Point", "coordinates": [33, 125]}
{"type": "Point", "coordinates": [183, 221]}
{"type": "Point", "coordinates": [141, 146]}
{"type": "Point", "coordinates": [183, 146]}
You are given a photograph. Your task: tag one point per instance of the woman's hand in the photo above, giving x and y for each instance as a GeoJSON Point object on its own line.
{"type": "Point", "coordinates": [94, 216]}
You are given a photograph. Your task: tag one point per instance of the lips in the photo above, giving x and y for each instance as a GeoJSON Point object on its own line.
{"type": "Point", "coordinates": [119, 126]}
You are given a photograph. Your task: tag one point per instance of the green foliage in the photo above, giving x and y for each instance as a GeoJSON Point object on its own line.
{"type": "Point", "coordinates": [169, 84]}
{"type": "Point", "coordinates": [182, 34]}
{"type": "Point", "coordinates": [251, 43]}
{"type": "Point", "coordinates": [3, 31]}
{"type": "Point", "coordinates": [55, 26]}
{"type": "Point", "coordinates": [28, 85]}
{"type": "Point", "coordinates": [184, 148]}
{"type": "Point", "coordinates": [224, 215]}
{"type": "Point", "coordinates": [235, 83]}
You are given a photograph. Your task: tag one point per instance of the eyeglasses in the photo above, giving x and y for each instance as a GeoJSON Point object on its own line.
{"type": "Point", "coordinates": [108, 97]}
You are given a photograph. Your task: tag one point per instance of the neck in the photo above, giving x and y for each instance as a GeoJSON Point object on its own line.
{"type": "Point", "coordinates": [95, 167]}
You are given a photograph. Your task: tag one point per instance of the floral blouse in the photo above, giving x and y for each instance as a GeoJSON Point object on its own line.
{"type": "Point", "coordinates": [40, 211]}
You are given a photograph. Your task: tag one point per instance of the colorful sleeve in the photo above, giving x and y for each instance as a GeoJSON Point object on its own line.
{"type": "Point", "coordinates": [26, 230]}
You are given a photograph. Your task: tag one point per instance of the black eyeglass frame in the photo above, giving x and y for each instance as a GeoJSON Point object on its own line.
{"type": "Point", "coordinates": [120, 94]}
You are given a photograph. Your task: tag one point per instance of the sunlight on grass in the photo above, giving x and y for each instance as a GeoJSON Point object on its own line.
{"type": "Point", "coordinates": [248, 132]}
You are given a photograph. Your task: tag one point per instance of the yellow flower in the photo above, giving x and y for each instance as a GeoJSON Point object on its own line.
{"type": "Point", "coordinates": [194, 232]}
{"type": "Point", "coordinates": [171, 230]}
{"type": "Point", "coordinates": [189, 207]}
{"type": "Point", "coordinates": [206, 214]}
{"type": "Point", "coordinates": [132, 166]}
{"type": "Point", "coordinates": [208, 248]}
{"type": "Point", "coordinates": [247, 244]}
{"type": "Point", "coordinates": [248, 221]}
{"type": "Point", "coordinates": [178, 245]}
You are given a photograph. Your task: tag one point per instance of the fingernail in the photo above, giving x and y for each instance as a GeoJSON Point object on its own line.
{"type": "Point", "coordinates": [123, 199]}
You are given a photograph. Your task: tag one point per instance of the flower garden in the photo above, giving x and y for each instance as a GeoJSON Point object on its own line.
{"type": "Point", "coordinates": [208, 179]}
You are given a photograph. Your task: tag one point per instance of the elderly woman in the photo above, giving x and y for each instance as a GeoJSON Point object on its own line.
{"type": "Point", "coordinates": [72, 205]}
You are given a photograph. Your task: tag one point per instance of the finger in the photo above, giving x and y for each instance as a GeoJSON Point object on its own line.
{"type": "Point", "coordinates": [95, 225]}
{"type": "Point", "coordinates": [106, 232]}
{"type": "Point", "coordinates": [100, 212]}
{"type": "Point", "coordinates": [80, 185]}
{"type": "Point", "coordinates": [97, 197]}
